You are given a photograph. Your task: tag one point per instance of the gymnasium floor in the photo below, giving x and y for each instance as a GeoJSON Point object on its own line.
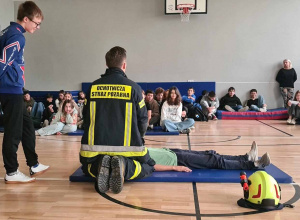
{"type": "Point", "coordinates": [52, 196]}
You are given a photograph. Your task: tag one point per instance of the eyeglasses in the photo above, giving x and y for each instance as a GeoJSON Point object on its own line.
{"type": "Point", "coordinates": [37, 24]}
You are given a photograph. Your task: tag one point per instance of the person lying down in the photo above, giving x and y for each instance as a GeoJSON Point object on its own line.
{"type": "Point", "coordinates": [185, 160]}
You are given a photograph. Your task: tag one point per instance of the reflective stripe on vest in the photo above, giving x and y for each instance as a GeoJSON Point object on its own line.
{"type": "Point", "coordinates": [92, 123]}
{"type": "Point", "coordinates": [95, 150]}
{"type": "Point", "coordinates": [128, 118]}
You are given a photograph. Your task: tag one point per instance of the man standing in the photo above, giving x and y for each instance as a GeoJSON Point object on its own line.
{"type": "Point", "coordinates": [17, 122]}
{"type": "Point", "coordinates": [115, 121]}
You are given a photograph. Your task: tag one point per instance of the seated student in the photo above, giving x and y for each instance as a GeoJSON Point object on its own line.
{"type": "Point", "coordinates": [171, 113]}
{"type": "Point", "coordinates": [185, 160]}
{"type": "Point", "coordinates": [153, 107]}
{"type": "Point", "coordinates": [189, 100]}
{"type": "Point", "coordinates": [204, 92]}
{"type": "Point", "coordinates": [149, 112]}
{"type": "Point", "coordinates": [294, 109]}
{"type": "Point", "coordinates": [256, 103]}
{"type": "Point", "coordinates": [35, 109]}
{"type": "Point", "coordinates": [159, 94]}
{"type": "Point", "coordinates": [29, 101]}
{"type": "Point", "coordinates": [68, 96]}
{"type": "Point", "coordinates": [49, 111]}
{"type": "Point", "coordinates": [63, 122]}
{"type": "Point", "coordinates": [80, 103]}
{"type": "Point", "coordinates": [60, 99]}
{"type": "Point", "coordinates": [210, 104]}
{"type": "Point", "coordinates": [230, 102]}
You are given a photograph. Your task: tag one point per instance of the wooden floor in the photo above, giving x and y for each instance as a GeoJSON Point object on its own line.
{"type": "Point", "coordinates": [53, 197]}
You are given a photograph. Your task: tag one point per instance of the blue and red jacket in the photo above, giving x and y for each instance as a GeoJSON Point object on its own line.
{"type": "Point", "coordinates": [12, 43]}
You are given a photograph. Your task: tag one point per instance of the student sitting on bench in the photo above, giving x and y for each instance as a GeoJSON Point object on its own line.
{"type": "Point", "coordinates": [256, 103]}
{"type": "Point", "coordinates": [185, 160]}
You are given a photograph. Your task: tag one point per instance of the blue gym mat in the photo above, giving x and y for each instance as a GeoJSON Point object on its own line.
{"type": "Point", "coordinates": [156, 131]}
{"type": "Point", "coordinates": [199, 175]}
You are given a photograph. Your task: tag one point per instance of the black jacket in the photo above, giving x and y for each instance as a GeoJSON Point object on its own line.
{"type": "Point", "coordinates": [115, 113]}
{"type": "Point", "coordinates": [231, 101]}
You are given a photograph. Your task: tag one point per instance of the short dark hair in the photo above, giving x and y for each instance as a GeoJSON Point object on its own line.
{"type": "Point", "coordinates": [30, 10]}
{"type": "Point", "coordinates": [115, 57]}
{"type": "Point", "coordinates": [25, 92]}
{"type": "Point", "coordinates": [204, 92]}
{"type": "Point", "coordinates": [230, 89]}
{"type": "Point", "coordinates": [253, 90]}
{"type": "Point", "coordinates": [192, 89]}
{"type": "Point", "coordinates": [61, 91]}
{"type": "Point", "coordinates": [212, 94]}
{"type": "Point", "coordinates": [159, 90]}
{"type": "Point", "coordinates": [149, 91]}
{"type": "Point", "coordinates": [49, 96]}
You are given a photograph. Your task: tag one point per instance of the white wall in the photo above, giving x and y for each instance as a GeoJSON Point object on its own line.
{"type": "Point", "coordinates": [238, 43]}
{"type": "Point", "coordinates": [6, 13]}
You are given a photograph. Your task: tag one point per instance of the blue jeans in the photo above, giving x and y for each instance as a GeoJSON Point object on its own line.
{"type": "Point", "coordinates": [179, 126]}
{"type": "Point", "coordinates": [212, 160]}
{"type": "Point", "coordinates": [37, 110]}
{"type": "Point", "coordinates": [261, 102]}
{"type": "Point", "coordinates": [236, 108]}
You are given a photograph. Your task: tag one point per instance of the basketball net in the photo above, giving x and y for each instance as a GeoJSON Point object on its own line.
{"type": "Point", "coordinates": [185, 11]}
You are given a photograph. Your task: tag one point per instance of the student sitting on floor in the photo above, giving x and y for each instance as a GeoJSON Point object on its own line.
{"type": "Point", "coordinates": [230, 102]}
{"type": "Point", "coordinates": [60, 99]}
{"type": "Point", "coordinates": [149, 99]}
{"type": "Point", "coordinates": [189, 101]}
{"type": "Point", "coordinates": [50, 110]}
{"type": "Point", "coordinates": [256, 103]}
{"type": "Point", "coordinates": [185, 160]}
{"type": "Point", "coordinates": [159, 94]}
{"type": "Point", "coordinates": [149, 112]}
{"type": "Point", "coordinates": [294, 109]}
{"type": "Point", "coordinates": [35, 109]}
{"type": "Point", "coordinates": [171, 113]}
{"type": "Point", "coordinates": [63, 122]}
{"type": "Point", "coordinates": [80, 104]}
{"type": "Point", "coordinates": [210, 104]}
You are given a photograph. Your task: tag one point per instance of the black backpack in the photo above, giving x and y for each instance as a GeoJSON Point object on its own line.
{"type": "Point", "coordinates": [197, 114]}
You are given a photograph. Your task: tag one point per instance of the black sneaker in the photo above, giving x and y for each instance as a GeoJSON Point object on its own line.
{"type": "Point", "coordinates": [103, 174]}
{"type": "Point", "coordinates": [117, 174]}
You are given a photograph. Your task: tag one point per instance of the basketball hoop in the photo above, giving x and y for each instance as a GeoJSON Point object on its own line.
{"type": "Point", "coordinates": [185, 11]}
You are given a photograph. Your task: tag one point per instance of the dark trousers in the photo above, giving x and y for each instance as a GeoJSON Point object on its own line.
{"type": "Point", "coordinates": [130, 167]}
{"type": "Point", "coordinates": [210, 159]}
{"type": "Point", "coordinates": [18, 127]}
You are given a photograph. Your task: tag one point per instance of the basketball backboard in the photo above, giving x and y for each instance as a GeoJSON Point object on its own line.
{"type": "Point", "coordinates": [171, 6]}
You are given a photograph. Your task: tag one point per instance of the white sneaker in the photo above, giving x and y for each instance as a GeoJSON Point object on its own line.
{"type": "Point", "coordinates": [263, 110]}
{"type": "Point", "coordinates": [246, 108]}
{"type": "Point", "coordinates": [18, 177]}
{"type": "Point", "coordinates": [228, 108]}
{"type": "Point", "coordinates": [293, 121]}
{"type": "Point", "coordinates": [253, 153]}
{"type": "Point", "coordinates": [38, 170]}
{"type": "Point", "coordinates": [289, 121]}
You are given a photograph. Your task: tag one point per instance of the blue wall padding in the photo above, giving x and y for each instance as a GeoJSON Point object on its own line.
{"type": "Point", "coordinates": [182, 86]}
{"type": "Point", "coordinates": [156, 131]}
{"type": "Point", "coordinates": [199, 175]}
